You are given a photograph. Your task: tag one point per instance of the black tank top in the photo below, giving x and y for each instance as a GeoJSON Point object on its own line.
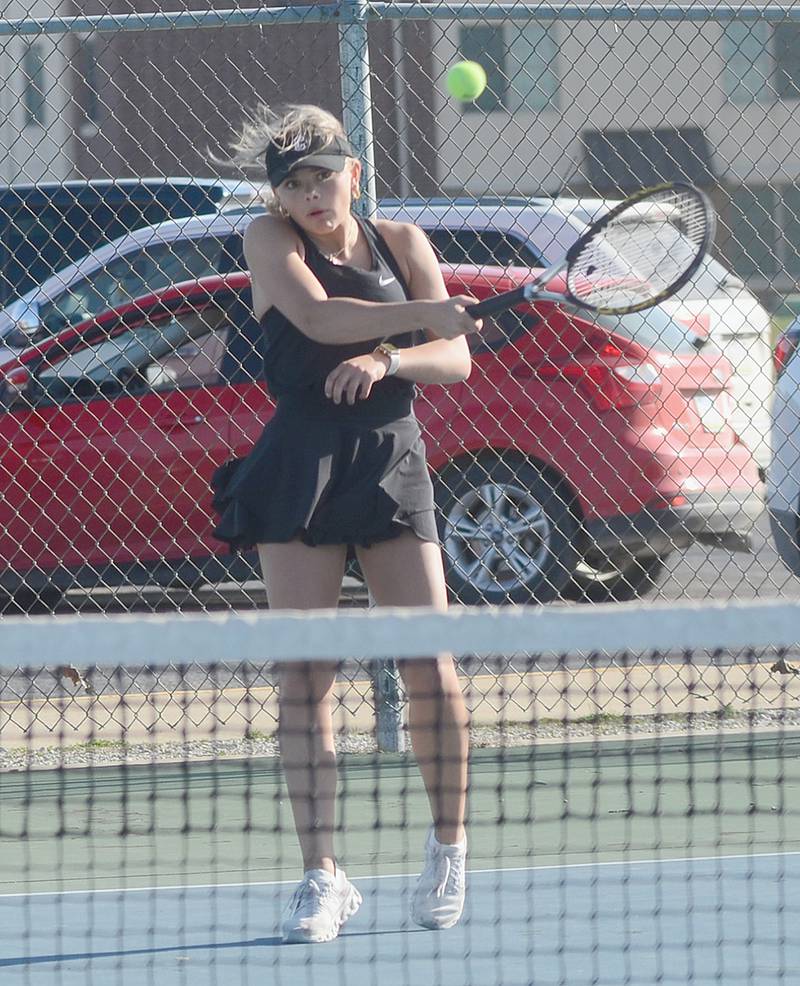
{"type": "Point", "coordinates": [295, 365]}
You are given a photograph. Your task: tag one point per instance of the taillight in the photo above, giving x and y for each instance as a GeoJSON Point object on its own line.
{"type": "Point", "coordinates": [785, 346]}
{"type": "Point", "coordinates": [611, 377]}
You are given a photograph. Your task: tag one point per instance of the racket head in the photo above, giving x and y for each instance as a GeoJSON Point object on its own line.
{"type": "Point", "coordinates": [623, 264]}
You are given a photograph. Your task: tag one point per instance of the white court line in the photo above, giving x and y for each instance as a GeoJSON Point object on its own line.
{"type": "Point", "coordinates": [407, 876]}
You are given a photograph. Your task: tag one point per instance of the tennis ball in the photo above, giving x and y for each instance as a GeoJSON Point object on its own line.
{"type": "Point", "coordinates": [466, 81]}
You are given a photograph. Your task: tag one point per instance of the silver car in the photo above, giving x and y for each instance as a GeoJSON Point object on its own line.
{"type": "Point", "coordinates": [783, 476]}
{"type": "Point", "coordinates": [145, 260]}
{"type": "Point", "coordinates": [152, 258]}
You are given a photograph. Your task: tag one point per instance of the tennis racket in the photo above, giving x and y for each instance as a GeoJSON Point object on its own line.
{"type": "Point", "coordinates": [619, 265]}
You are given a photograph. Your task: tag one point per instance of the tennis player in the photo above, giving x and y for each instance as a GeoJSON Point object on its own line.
{"type": "Point", "coordinates": [354, 314]}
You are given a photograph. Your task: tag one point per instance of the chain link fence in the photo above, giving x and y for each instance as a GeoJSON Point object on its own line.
{"type": "Point", "coordinates": [585, 459]}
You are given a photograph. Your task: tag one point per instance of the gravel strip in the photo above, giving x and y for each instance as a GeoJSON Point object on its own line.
{"type": "Point", "coordinates": [102, 753]}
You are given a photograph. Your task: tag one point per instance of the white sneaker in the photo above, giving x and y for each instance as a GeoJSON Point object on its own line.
{"type": "Point", "coordinates": [439, 895]}
{"type": "Point", "coordinates": [320, 905]}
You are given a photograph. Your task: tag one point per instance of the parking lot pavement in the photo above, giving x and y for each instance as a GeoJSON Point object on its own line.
{"type": "Point", "coordinates": [701, 572]}
{"type": "Point", "coordinates": [713, 573]}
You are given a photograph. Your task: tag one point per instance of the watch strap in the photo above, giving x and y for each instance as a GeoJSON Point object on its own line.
{"type": "Point", "coordinates": [393, 354]}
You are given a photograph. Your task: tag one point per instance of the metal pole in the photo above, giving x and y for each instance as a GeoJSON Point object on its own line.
{"type": "Point", "coordinates": [387, 695]}
{"type": "Point", "coordinates": [357, 97]}
{"type": "Point", "coordinates": [358, 10]}
{"type": "Point", "coordinates": [400, 86]}
{"type": "Point", "coordinates": [357, 119]}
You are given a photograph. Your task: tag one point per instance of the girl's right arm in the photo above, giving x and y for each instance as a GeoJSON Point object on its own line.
{"type": "Point", "coordinates": [281, 279]}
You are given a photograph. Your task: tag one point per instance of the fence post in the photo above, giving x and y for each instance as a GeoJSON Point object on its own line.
{"type": "Point", "coordinates": [389, 707]}
{"type": "Point", "coordinates": [357, 119]}
{"type": "Point", "coordinates": [357, 98]}
{"type": "Point", "coordinates": [387, 695]}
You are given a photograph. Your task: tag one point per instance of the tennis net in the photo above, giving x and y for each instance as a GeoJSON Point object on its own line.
{"type": "Point", "coordinates": [633, 794]}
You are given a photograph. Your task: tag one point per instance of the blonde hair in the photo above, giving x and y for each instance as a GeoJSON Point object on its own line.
{"type": "Point", "coordinates": [285, 126]}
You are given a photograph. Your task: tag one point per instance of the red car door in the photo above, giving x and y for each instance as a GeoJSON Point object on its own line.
{"type": "Point", "coordinates": [159, 442]}
{"type": "Point", "coordinates": [112, 465]}
{"type": "Point", "coordinates": [48, 465]}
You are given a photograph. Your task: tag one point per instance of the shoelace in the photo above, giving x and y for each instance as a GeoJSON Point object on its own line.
{"type": "Point", "coordinates": [309, 892]}
{"type": "Point", "coordinates": [448, 874]}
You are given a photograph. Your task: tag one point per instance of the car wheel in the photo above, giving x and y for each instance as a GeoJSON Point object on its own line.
{"type": "Point", "coordinates": [508, 533]}
{"type": "Point", "coordinates": [600, 578]}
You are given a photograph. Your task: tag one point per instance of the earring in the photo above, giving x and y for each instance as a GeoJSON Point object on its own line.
{"type": "Point", "coordinates": [356, 193]}
{"type": "Point", "coordinates": [283, 213]}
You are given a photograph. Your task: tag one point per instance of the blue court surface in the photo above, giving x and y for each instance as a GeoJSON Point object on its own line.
{"type": "Point", "coordinates": [723, 920]}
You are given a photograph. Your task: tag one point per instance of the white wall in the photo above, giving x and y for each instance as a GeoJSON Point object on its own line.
{"type": "Point", "coordinates": [31, 152]}
{"type": "Point", "coordinates": [614, 76]}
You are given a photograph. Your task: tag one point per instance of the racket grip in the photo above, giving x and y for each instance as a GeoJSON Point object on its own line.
{"type": "Point", "coordinates": [500, 302]}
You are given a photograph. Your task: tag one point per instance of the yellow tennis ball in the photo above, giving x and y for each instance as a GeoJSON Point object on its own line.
{"type": "Point", "coordinates": [466, 81]}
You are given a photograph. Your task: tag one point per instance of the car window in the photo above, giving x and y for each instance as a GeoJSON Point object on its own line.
{"type": "Point", "coordinates": [710, 277]}
{"type": "Point", "coordinates": [44, 227]}
{"type": "Point", "coordinates": [709, 282]}
{"type": "Point", "coordinates": [166, 353]}
{"type": "Point", "coordinates": [130, 277]}
{"type": "Point", "coordinates": [485, 247]}
{"type": "Point", "coordinates": [651, 329]}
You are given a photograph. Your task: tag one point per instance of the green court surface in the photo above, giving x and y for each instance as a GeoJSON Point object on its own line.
{"type": "Point", "coordinates": [214, 823]}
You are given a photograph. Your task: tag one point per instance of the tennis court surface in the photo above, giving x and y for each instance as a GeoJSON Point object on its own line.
{"type": "Point", "coordinates": [645, 854]}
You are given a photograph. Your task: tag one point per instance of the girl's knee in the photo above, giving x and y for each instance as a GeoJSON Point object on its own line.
{"type": "Point", "coordinates": [309, 683]}
{"type": "Point", "coordinates": [430, 677]}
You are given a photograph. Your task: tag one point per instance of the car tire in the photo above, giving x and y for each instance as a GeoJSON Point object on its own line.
{"type": "Point", "coordinates": [601, 579]}
{"type": "Point", "coordinates": [507, 530]}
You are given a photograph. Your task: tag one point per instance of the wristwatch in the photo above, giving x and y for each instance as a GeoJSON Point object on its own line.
{"type": "Point", "coordinates": [393, 353]}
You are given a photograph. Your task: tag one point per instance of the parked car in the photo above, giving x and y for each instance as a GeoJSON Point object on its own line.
{"type": "Point", "coordinates": [506, 232]}
{"type": "Point", "coordinates": [715, 304]}
{"type": "Point", "coordinates": [46, 226]}
{"type": "Point", "coordinates": [783, 476]}
{"type": "Point", "coordinates": [576, 458]}
{"type": "Point", "coordinates": [145, 260]}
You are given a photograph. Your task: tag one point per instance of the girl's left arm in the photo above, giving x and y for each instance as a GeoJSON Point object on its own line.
{"type": "Point", "coordinates": [438, 360]}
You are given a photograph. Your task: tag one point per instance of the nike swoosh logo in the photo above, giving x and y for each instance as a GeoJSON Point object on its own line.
{"type": "Point", "coordinates": [383, 281]}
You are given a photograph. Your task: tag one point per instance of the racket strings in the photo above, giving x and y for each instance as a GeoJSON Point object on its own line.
{"type": "Point", "coordinates": [641, 252]}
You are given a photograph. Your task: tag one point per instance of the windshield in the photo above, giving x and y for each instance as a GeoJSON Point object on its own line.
{"type": "Point", "coordinates": [710, 276]}
{"type": "Point", "coordinates": [651, 329]}
{"type": "Point", "coordinates": [127, 278]}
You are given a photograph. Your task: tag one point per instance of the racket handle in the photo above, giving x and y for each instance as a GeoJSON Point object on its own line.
{"type": "Point", "coordinates": [501, 302]}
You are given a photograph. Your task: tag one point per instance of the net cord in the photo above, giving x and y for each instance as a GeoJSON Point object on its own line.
{"type": "Point", "coordinates": [296, 636]}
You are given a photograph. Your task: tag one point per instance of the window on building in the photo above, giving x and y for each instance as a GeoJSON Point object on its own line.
{"type": "Point", "coordinates": [747, 62]}
{"type": "Point", "coordinates": [89, 70]}
{"type": "Point", "coordinates": [520, 62]}
{"type": "Point", "coordinates": [623, 160]}
{"type": "Point", "coordinates": [787, 60]}
{"type": "Point", "coordinates": [790, 197]}
{"type": "Point", "coordinates": [751, 219]}
{"type": "Point", "coordinates": [34, 94]}
{"type": "Point", "coordinates": [484, 43]}
{"type": "Point", "coordinates": [532, 68]}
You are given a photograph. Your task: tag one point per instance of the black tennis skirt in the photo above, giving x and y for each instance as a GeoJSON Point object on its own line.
{"type": "Point", "coordinates": [328, 474]}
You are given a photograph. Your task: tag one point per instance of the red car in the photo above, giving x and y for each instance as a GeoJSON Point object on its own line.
{"type": "Point", "coordinates": [579, 454]}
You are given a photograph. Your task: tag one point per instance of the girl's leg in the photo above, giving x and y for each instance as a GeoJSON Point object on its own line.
{"type": "Point", "coordinates": [408, 572]}
{"type": "Point", "coordinates": [300, 577]}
